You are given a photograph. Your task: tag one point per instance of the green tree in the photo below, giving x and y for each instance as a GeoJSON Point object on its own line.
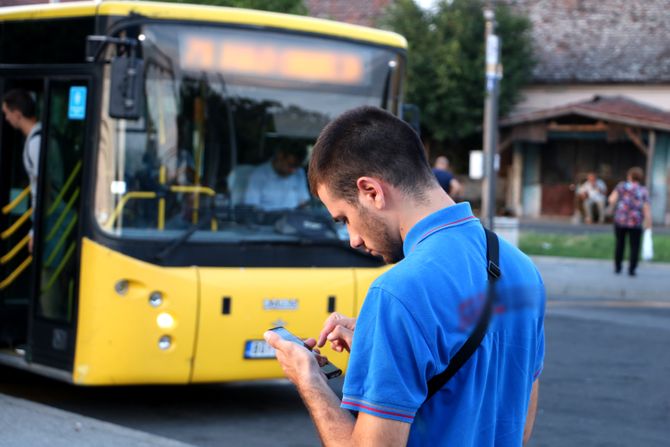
{"type": "Point", "coordinates": [446, 64]}
{"type": "Point", "coordinates": [287, 6]}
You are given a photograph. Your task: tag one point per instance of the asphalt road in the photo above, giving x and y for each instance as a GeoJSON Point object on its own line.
{"type": "Point", "coordinates": [604, 384]}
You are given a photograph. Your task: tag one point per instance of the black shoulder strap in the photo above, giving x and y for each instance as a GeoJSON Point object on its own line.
{"type": "Point", "coordinates": [475, 339]}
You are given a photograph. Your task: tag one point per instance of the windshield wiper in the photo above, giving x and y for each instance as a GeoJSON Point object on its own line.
{"type": "Point", "coordinates": [179, 241]}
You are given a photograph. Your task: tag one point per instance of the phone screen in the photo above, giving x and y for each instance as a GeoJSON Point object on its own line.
{"type": "Point", "coordinates": [331, 371]}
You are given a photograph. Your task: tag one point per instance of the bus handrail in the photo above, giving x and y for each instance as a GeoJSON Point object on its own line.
{"type": "Point", "coordinates": [62, 239]}
{"type": "Point", "coordinates": [64, 213]}
{"type": "Point", "coordinates": [122, 203]}
{"type": "Point", "coordinates": [11, 253]}
{"type": "Point", "coordinates": [14, 203]}
{"type": "Point", "coordinates": [60, 267]}
{"type": "Point", "coordinates": [20, 221]}
{"type": "Point", "coordinates": [12, 276]}
{"type": "Point", "coordinates": [64, 189]}
{"type": "Point", "coordinates": [195, 189]}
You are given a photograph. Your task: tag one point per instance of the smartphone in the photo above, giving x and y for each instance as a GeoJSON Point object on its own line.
{"type": "Point", "coordinates": [331, 371]}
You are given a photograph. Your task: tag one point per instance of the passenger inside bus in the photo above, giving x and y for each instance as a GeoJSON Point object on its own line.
{"type": "Point", "coordinates": [19, 110]}
{"type": "Point", "coordinates": [280, 183]}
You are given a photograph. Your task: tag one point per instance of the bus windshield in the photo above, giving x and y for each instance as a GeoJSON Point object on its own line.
{"type": "Point", "coordinates": [229, 120]}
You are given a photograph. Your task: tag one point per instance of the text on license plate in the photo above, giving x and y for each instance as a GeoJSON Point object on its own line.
{"type": "Point", "coordinates": [258, 349]}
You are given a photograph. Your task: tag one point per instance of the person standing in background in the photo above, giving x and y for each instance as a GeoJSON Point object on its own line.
{"type": "Point", "coordinates": [631, 212]}
{"type": "Point", "coordinates": [445, 178]}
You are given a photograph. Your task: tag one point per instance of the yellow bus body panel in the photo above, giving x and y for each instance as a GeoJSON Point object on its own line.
{"type": "Point", "coordinates": [363, 278]}
{"type": "Point", "coordinates": [261, 298]}
{"type": "Point", "coordinates": [118, 334]}
{"type": "Point", "coordinates": [203, 13]}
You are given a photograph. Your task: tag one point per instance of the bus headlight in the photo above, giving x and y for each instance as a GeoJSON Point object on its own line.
{"type": "Point", "coordinates": [164, 320]}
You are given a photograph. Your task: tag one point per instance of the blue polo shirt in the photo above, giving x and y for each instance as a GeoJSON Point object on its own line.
{"type": "Point", "coordinates": [418, 314]}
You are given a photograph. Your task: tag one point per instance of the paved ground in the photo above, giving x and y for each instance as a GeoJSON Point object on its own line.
{"type": "Point", "coordinates": [565, 226]}
{"type": "Point", "coordinates": [586, 278]}
{"type": "Point", "coordinates": [26, 423]}
{"type": "Point", "coordinates": [605, 376]}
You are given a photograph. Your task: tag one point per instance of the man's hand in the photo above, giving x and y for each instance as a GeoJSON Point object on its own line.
{"type": "Point", "coordinates": [299, 364]}
{"type": "Point", "coordinates": [339, 331]}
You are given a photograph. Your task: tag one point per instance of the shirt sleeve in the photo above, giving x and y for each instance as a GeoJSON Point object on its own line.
{"type": "Point", "coordinates": [389, 363]}
{"type": "Point", "coordinates": [252, 194]}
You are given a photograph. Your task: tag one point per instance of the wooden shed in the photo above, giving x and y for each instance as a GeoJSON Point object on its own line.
{"type": "Point", "coordinates": [545, 153]}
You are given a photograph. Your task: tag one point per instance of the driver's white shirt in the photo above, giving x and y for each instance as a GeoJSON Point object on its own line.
{"type": "Point", "coordinates": [269, 191]}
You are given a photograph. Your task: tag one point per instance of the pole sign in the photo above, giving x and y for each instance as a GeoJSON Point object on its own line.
{"type": "Point", "coordinates": [492, 54]}
{"type": "Point", "coordinates": [492, 59]}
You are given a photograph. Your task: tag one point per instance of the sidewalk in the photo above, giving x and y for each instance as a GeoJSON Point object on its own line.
{"type": "Point", "coordinates": [564, 225]}
{"type": "Point", "coordinates": [595, 279]}
{"type": "Point", "coordinates": [25, 423]}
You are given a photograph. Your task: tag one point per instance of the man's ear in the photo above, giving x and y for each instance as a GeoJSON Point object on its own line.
{"type": "Point", "coordinates": [371, 192]}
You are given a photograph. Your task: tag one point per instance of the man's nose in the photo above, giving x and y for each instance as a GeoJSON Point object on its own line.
{"type": "Point", "coordinates": [355, 240]}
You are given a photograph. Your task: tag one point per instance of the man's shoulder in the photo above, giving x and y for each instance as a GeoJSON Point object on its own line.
{"type": "Point", "coordinates": [262, 169]}
{"type": "Point", "coordinates": [442, 175]}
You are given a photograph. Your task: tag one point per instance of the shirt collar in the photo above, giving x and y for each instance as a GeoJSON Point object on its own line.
{"type": "Point", "coordinates": [36, 128]}
{"type": "Point", "coordinates": [445, 218]}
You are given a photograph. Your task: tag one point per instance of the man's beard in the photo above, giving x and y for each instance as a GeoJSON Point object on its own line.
{"type": "Point", "coordinates": [388, 245]}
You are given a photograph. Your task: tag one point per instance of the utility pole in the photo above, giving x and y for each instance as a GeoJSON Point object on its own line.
{"type": "Point", "coordinates": [493, 76]}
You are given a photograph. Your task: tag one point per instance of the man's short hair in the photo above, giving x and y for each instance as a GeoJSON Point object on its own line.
{"type": "Point", "coordinates": [636, 174]}
{"type": "Point", "coordinates": [19, 99]}
{"type": "Point", "coordinates": [368, 141]}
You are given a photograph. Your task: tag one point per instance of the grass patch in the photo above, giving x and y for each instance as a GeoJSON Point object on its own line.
{"type": "Point", "coordinates": [597, 245]}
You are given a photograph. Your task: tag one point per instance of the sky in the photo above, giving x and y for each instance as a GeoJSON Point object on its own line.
{"type": "Point", "coordinates": [425, 3]}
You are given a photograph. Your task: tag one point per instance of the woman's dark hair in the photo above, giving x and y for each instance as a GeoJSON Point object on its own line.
{"type": "Point", "coordinates": [368, 141]}
{"type": "Point", "coordinates": [19, 99]}
{"type": "Point", "coordinates": [636, 174]}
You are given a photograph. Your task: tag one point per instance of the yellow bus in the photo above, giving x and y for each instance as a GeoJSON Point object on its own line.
{"type": "Point", "coordinates": [149, 262]}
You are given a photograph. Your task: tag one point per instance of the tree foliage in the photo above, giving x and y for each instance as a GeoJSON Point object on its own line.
{"type": "Point", "coordinates": [446, 63]}
{"type": "Point", "coordinates": [287, 6]}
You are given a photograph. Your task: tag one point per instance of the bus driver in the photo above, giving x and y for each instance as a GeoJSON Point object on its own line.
{"type": "Point", "coordinates": [279, 183]}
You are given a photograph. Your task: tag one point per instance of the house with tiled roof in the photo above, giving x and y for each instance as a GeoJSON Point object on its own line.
{"type": "Point", "coordinates": [599, 101]}
{"type": "Point", "coordinates": [598, 47]}
{"type": "Point", "coordinates": [359, 12]}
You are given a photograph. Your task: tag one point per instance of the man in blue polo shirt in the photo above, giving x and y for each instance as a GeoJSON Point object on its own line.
{"type": "Point", "coordinates": [370, 171]}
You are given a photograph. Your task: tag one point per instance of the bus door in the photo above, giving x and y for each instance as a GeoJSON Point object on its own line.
{"type": "Point", "coordinates": [57, 238]}
{"type": "Point", "coordinates": [44, 281]}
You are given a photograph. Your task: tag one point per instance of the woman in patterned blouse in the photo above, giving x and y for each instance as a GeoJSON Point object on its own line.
{"type": "Point", "coordinates": [631, 212]}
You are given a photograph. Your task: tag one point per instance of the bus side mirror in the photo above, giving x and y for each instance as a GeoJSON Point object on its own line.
{"type": "Point", "coordinates": [125, 93]}
{"type": "Point", "coordinates": [411, 114]}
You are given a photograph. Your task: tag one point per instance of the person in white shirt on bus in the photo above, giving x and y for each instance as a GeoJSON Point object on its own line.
{"type": "Point", "coordinates": [280, 183]}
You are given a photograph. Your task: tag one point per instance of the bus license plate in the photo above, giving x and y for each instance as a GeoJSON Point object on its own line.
{"type": "Point", "coordinates": [258, 349]}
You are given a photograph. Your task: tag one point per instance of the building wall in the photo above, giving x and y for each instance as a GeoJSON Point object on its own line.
{"type": "Point", "coordinates": [358, 12]}
{"type": "Point", "coordinates": [538, 97]}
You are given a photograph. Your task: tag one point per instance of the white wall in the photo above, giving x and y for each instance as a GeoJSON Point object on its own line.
{"type": "Point", "coordinates": [538, 97]}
